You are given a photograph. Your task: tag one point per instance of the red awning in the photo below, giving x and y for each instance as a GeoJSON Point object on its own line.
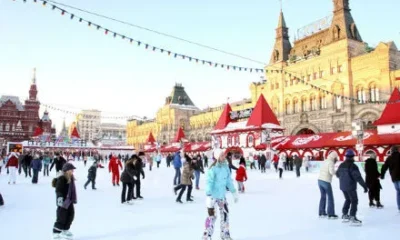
{"type": "Point", "coordinates": [275, 143]}
{"type": "Point", "coordinates": [198, 147]}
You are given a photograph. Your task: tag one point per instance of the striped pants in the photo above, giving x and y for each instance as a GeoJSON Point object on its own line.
{"type": "Point", "coordinates": [210, 221]}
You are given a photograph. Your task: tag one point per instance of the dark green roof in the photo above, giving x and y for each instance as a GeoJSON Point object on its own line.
{"type": "Point", "coordinates": [179, 96]}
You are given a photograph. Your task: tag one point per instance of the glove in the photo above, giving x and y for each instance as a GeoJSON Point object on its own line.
{"type": "Point", "coordinates": [235, 197]}
{"type": "Point", "coordinates": [365, 190]}
{"type": "Point", "coordinates": [60, 201]}
{"type": "Point", "coordinates": [210, 202]}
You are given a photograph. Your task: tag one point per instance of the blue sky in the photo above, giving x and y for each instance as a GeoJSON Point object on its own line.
{"type": "Point", "coordinates": [79, 67]}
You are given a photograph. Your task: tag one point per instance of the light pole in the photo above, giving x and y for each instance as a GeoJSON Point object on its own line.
{"type": "Point", "coordinates": [358, 133]}
{"type": "Point", "coordinates": [267, 140]}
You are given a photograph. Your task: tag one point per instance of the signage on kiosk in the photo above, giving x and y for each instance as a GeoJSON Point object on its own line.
{"type": "Point", "coordinates": [236, 115]}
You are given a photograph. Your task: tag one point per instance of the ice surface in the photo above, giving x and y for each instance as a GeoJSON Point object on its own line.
{"type": "Point", "coordinates": [270, 209]}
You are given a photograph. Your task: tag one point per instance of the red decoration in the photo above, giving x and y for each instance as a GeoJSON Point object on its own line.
{"type": "Point", "coordinates": [179, 135]}
{"type": "Point", "coordinates": [150, 138]}
{"type": "Point", "coordinates": [262, 114]}
{"type": "Point", "coordinates": [391, 113]}
{"type": "Point", "coordinates": [38, 132]}
{"type": "Point", "coordinates": [225, 118]}
{"type": "Point", "coordinates": [75, 133]}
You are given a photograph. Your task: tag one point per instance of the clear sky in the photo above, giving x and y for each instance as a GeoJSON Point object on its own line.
{"type": "Point", "coordinates": [80, 68]}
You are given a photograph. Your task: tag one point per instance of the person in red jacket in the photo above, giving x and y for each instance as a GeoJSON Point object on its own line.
{"type": "Point", "coordinates": [241, 175]}
{"type": "Point", "coordinates": [12, 166]}
{"type": "Point", "coordinates": [113, 167]}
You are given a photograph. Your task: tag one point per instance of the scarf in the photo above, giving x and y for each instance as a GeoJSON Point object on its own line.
{"type": "Point", "coordinates": [71, 196]}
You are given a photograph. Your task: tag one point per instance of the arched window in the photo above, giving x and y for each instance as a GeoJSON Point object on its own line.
{"type": "Point", "coordinates": [1, 126]}
{"type": "Point", "coordinates": [13, 127]}
{"type": "Point", "coordinates": [296, 105]}
{"type": "Point", "coordinates": [322, 101]}
{"type": "Point", "coordinates": [250, 140]}
{"type": "Point", "coordinates": [277, 85]}
{"type": "Point", "coordinates": [229, 141]}
{"type": "Point", "coordinates": [237, 140]}
{"type": "Point", "coordinates": [338, 102]}
{"type": "Point", "coordinates": [303, 104]}
{"type": "Point", "coordinates": [373, 93]}
{"type": "Point", "coordinates": [361, 96]}
{"type": "Point", "coordinates": [7, 127]}
{"type": "Point", "coordinates": [313, 103]}
{"type": "Point", "coordinates": [287, 106]}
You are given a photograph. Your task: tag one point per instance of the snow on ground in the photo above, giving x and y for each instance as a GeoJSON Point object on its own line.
{"type": "Point", "coordinates": [270, 209]}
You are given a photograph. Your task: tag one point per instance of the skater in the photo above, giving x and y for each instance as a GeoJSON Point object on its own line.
{"type": "Point", "coordinates": [275, 160]}
{"type": "Point", "coordinates": [262, 160]}
{"type": "Point", "coordinates": [306, 162]}
{"type": "Point", "coordinates": [372, 180]}
{"type": "Point", "coordinates": [169, 160]}
{"type": "Point", "coordinates": [229, 159]}
{"type": "Point", "coordinates": [84, 161]}
{"type": "Point", "coordinates": [36, 166]}
{"type": "Point", "coordinates": [187, 176]}
{"type": "Point", "coordinates": [113, 167]}
{"type": "Point", "coordinates": [297, 163]}
{"type": "Point", "coordinates": [139, 171]}
{"type": "Point", "coordinates": [59, 162]}
{"type": "Point", "coordinates": [393, 164]}
{"type": "Point", "coordinates": [198, 168]}
{"type": "Point", "coordinates": [205, 158]}
{"type": "Point", "coordinates": [349, 175]}
{"type": "Point", "coordinates": [326, 173]}
{"type": "Point", "coordinates": [281, 164]}
{"type": "Point", "coordinates": [218, 178]}
{"type": "Point", "coordinates": [127, 178]}
{"type": "Point", "coordinates": [26, 164]}
{"type": "Point", "coordinates": [12, 165]}
{"type": "Point", "coordinates": [177, 162]}
{"type": "Point", "coordinates": [241, 175]}
{"type": "Point", "coordinates": [66, 198]}
{"type": "Point", "coordinates": [92, 173]}
{"type": "Point", "coordinates": [158, 160]}
{"type": "Point", "coordinates": [1, 163]}
{"type": "Point", "coordinates": [46, 162]}
{"type": "Point", "coordinates": [1, 200]}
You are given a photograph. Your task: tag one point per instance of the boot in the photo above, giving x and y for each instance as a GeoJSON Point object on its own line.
{"type": "Point", "coordinates": [345, 218]}
{"type": "Point", "coordinates": [333, 217]}
{"type": "Point", "coordinates": [371, 204]}
{"type": "Point", "coordinates": [354, 221]}
{"type": "Point", "coordinates": [379, 205]}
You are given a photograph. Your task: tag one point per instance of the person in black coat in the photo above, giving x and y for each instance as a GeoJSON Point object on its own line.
{"type": "Point", "coordinates": [66, 198]}
{"type": "Point", "coordinates": [372, 179]}
{"type": "Point", "coordinates": [262, 160]}
{"type": "Point", "coordinates": [59, 162]}
{"type": "Point", "coordinates": [26, 164]}
{"type": "Point", "coordinates": [393, 164]}
{"type": "Point", "coordinates": [349, 175]}
{"type": "Point", "coordinates": [1, 200]}
{"type": "Point", "coordinates": [92, 173]}
{"type": "Point", "coordinates": [229, 158]}
{"type": "Point", "coordinates": [139, 171]}
{"type": "Point", "coordinates": [127, 178]}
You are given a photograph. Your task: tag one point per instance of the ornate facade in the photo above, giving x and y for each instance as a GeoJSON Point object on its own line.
{"type": "Point", "coordinates": [332, 57]}
{"type": "Point", "coordinates": [18, 121]}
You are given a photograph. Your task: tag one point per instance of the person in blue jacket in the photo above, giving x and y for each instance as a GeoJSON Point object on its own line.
{"type": "Point", "coordinates": [177, 162]}
{"type": "Point", "coordinates": [218, 180]}
{"type": "Point", "coordinates": [349, 175]}
{"type": "Point", "coordinates": [36, 166]}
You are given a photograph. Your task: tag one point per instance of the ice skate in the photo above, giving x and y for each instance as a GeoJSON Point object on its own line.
{"type": "Point", "coordinates": [189, 200]}
{"type": "Point", "coordinates": [139, 197]}
{"type": "Point", "coordinates": [178, 201]}
{"type": "Point", "coordinates": [355, 222]}
{"type": "Point", "coordinates": [372, 205]}
{"type": "Point", "coordinates": [345, 218]}
{"type": "Point", "coordinates": [67, 235]}
{"type": "Point", "coordinates": [323, 215]}
{"type": "Point", "coordinates": [130, 202]}
{"type": "Point", "coordinates": [333, 217]}
{"type": "Point", "coordinates": [379, 205]}
{"type": "Point", "coordinates": [56, 236]}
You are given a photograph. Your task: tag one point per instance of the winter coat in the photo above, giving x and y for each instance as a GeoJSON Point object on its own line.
{"type": "Point", "coordinates": [281, 162]}
{"type": "Point", "coordinates": [327, 170]}
{"type": "Point", "coordinates": [139, 169]}
{"type": "Point", "coordinates": [241, 174]}
{"type": "Point", "coordinates": [198, 166]}
{"type": "Point", "coordinates": [46, 160]}
{"type": "Point", "coordinates": [128, 173]}
{"type": "Point", "coordinates": [59, 163]}
{"type": "Point", "coordinates": [12, 161]}
{"type": "Point", "coordinates": [393, 164]}
{"type": "Point", "coordinates": [177, 160]}
{"type": "Point", "coordinates": [218, 180]}
{"type": "Point", "coordinates": [36, 164]}
{"type": "Point", "coordinates": [92, 172]}
{"type": "Point", "coordinates": [297, 161]}
{"type": "Point", "coordinates": [372, 174]}
{"type": "Point", "coordinates": [62, 186]}
{"type": "Point", "coordinates": [349, 175]}
{"type": "Point", "coordinates": [306, 162]}
{"type": "Point", "coordinates": [187, 173]}
{"type": "Point", "coordinates": [114, 165]}
{"type": "Point", "coordinates": [263, 159]}
{"type": "Point", "coordinates": [27, 160]}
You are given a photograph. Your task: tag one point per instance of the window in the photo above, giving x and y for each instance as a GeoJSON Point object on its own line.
{"type": "Point", "coordinates": [322, 101]}
{"type": "Point", "coordinates": [291, 81]}
{"type": "Point", "coordinates": [13, 127]}
{"type": "Point", "coordinates": [333, 70]}
{"type": "Point", "coordinates": [338, 102]}
{"type": "Point", "coordinates": [286, 83]}
{"type": "Point", "coordinates": [321, 74]}
{"type": "Point", "coordinates": [1, 126]}
{"type": "Point", "coordinates": [295, 106]}
{"type": "Point", "coordinates": [272, 86]}
{"type": "Point", "coordinates": [373, 93]}
{"type": "Point", "coordinates": [250, 141]}
{"type": "Point", "coordinates": [313, 103]}
{"type": "Point", "coordinates": [361, 96]}
{"type": "Point", "coordinates": [237, 140]}
{"type": "Point", "coordinates": [7, 127]}
{"type": "Point", "coordinates": [303, 105]}
{"type": "Point", "coordinates": [315, 76]}
{"type": "Point", "coordinates": [30, 128]}
{"type": "Point", "coordinates": [308, 77]}
{"type": "Point", "coordinates": [229, 141]}
{"type": "Point", "coordinates": [276, 85]}
{"type": "Point", "coordinates": [287, 107]}
{"type": "Point", "coordinates": [340, 69]}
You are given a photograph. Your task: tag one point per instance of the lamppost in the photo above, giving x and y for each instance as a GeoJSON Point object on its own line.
{"type": "Point", "coordinates": [267, 140]}
{"type": "Point", "coordinates": [358, 133]}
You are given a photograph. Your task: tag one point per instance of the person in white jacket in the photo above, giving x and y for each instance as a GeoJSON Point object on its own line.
{"type": "Point", "coordinates": [326, 173]}
{"type": "Point", "coordinates": [281, 163]}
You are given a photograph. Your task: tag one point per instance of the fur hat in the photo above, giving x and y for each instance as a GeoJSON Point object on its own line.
{"type": "Point", "coordinates": [67, 167]}
{"type": "Point", "coordinates": [349, 153]}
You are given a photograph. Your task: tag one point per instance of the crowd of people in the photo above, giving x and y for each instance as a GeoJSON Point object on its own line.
{"type": "Point", "coordinates": [188, 169]}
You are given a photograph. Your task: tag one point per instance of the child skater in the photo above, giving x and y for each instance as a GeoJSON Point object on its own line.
{"type": "Point", "coordinates": [218, 179]}
{"type": "Point", "coordinates": [241, 175]}
{"type": "Point", "coordinates": [92, 173]}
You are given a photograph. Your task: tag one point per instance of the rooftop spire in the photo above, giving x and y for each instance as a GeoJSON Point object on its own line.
{"type": "Point", "coordinates": [34, 76]}
{"type": "Point", "coordinates": [282, 45]}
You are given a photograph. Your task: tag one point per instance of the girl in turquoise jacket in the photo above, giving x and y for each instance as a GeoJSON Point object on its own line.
{"type": "Point", "coordinates": [218, 181]}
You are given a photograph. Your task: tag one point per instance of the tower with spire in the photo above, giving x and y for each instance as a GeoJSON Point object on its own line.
{"type": "Point", "coordinates": [32, 104]}
{"type": "Point", "coordinates": [282, 47]}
